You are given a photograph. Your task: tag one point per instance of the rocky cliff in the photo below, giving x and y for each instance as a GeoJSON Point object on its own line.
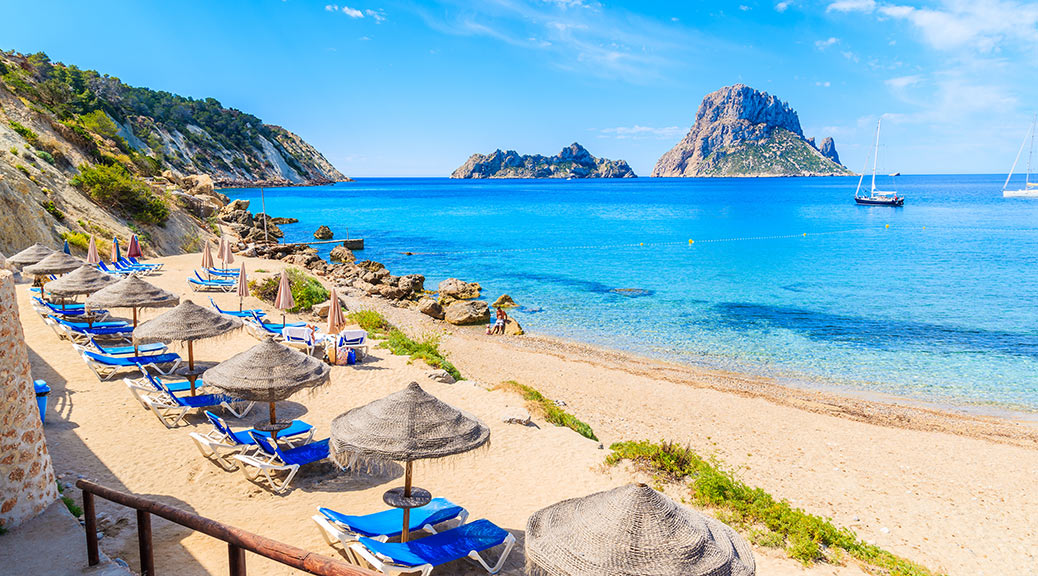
{"type": "Point", "coordinates": [572, 162]}
{"type": "Point", "coordinates": [84, 154]}
{"type": "Point", "coordinates": [740, 131]}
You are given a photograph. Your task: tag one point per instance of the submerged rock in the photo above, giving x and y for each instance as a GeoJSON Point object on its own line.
{"type": "Point", "coordinates": [504, 301]}
{"type": "Point", "coordinates": [323, 233]}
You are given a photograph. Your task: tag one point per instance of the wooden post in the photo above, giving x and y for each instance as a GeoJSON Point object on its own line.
{"type": "Point", "coordinates": [235, 560]}
{"type": "Point", "coordinates": [90, 518]}
{"type": "Point", "coordinates": [407, 494]}
{"type": "Point", "coordinates": [144, 543]}
{"type": "Point", "coordinates": [136, 351]}
{"type": "Point", "coordinates": [273, 420]}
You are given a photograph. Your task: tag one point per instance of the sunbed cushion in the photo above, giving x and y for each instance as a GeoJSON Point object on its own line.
{"type": "Point", "coordinates": [202, 401]}
{"type": "Point", "coordinates": [441, 548]}
{"type": "Point", "coordinates": [312, 452]}
{"type": "Point", "coordinates": [297, 427]}
{"type": "Point", "coordinates": [389, 522]}
{"type": "Point", "coordinates": [132, 360]}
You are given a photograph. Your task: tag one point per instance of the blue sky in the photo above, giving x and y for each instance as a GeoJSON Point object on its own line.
{"type": "Point", "coordinates": [398, 88]}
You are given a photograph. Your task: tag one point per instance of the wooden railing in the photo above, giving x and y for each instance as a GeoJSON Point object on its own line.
{"type": "Point", "coordinates": [238, 541]}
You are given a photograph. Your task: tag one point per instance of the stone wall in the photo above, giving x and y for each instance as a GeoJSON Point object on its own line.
{"type": "Point", "coordinates": [27, 484]}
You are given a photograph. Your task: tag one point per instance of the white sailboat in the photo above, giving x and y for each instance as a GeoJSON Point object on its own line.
{"type": "Point", "coordinates": [876, 197]}
{"type": "Point", "coordinates": [1030, 189]}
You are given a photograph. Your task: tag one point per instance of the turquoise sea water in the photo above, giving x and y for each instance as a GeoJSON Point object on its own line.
{"type": "Point", "coordinates": [935, 301]}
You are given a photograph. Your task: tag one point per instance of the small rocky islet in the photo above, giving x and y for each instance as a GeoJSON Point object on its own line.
{"type": "Point", "coordinates": [573, 162]}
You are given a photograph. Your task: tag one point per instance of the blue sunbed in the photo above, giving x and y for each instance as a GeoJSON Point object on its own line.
{"type": "Point", "coordinates": [387, 524]}
{"type": "Point", "coordinates": [249, 313]}
{"type": "Point", "coordinates": [270, 458]}
{"type": "Point", "coordinates": [158, 348]}
{"type": "Point", "coordinates": [105, 366]}
{"type": "Point", "coordinates": [422, 555]}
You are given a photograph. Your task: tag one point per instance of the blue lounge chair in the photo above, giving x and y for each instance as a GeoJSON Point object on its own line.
{"type": "Point", "coordinates": [222, 441]}
{"type": "Point", "coordinates": [250, 313]}
{"type": "Point", "coordinates": [422, 555]}
{"type": "Point", "coordinates": [157, 348]}
{"type": "Point", "coordinates": [225, 272]}
{"type": "Point", "coordinates": [105, 366]}
{"type": "Point", "coordinates": [387, 524]}
{"type": "Point", "coordinates": [269, 458]}
{"type": "Point", "coordinates": [149, 385]}
{"type": "Point", "coordinates": [114, 271]}
{"type": "Point", "coordinates": [263, 330]}
{"type": "Point", "coordinates": [81, 332]}
{"type": "Point", "coordinates": [198, 283]}
{"type": "Point", "coordinates": [171, 408]}
{"type": "Point", "coordinates": [136, 263]}
{"type": "Point", "coordinates": [67, 306]}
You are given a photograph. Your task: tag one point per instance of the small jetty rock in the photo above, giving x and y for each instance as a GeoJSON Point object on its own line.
{"type": "Point", "coordinates": [740, 131]}
{"type": "Point", "coordinates": [464, 312]}
{"type": "Point", "coordinates": [504, 301]}
{"type": "Point", "coordinates": [454, 289]}
{"type": "Point", "coordinates": [572, 162]}
{"type": "Point", "coordinates": [431, 308]}
{"type": "Point", "coordinates": [342, 254]}
{"type": "Point", "coordinates": [323, 233]}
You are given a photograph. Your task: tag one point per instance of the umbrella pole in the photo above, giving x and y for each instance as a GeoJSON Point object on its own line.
{"type": "Point", "coordinates": [136, 352]}
{"type": "Point", "coordinates": [273, 420]}
{"type": "Point", "coordinates": [407, 494]}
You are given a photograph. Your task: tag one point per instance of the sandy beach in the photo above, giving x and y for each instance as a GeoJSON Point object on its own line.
{"type": "Point", "coordinates": [952, 492]}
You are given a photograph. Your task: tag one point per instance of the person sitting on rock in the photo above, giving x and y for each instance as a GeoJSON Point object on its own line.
{"type": "Point", "coordinates": [499, 323]}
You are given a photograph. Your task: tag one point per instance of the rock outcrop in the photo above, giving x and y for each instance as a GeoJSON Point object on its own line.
{"type": "Point", "coordinates": [453, 289]}
{"type": "Point", "coordinates": [740, 131]}
{"type": "Point", "coordinates": [828, 149]}
{"type": "Point", "coordinates": [323, 233]}
{"type": "Point", "coordinates": [464, 312]}
{"type": "Point", "coordinates": [572, 162]}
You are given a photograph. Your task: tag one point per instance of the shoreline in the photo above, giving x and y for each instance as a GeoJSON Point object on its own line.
{"type": "Point", "coordinates": [1013, 428]}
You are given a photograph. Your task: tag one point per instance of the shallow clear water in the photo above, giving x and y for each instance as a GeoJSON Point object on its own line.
{"type": "Point", "coordinates": [939, 306]}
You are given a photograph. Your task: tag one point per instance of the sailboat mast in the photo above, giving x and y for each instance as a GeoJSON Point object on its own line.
{"type": "Point", "coordinates": [875, 156]}
{"type": "Point", "coordinates": [1030, 153]}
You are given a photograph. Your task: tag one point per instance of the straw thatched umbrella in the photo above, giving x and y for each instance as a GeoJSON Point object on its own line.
{"type": "Point", "coordinates": [284, 300]}
{"type": "Point", "coordinates": [132, 292]}
{"type": "Point", "coordinates": [405, 426]}
{"type": "Point", "coordinates": [134, 250]}
{"type": "Point", "coordinates": [630, 531]}
{"type": "Point", "coordinates": [92, 256]}
{"type": "Point", "coordinates": [243, 287]}
{"type": "Point", "coordinates": [86, 279]}
{"type": "Point", "coordinates": [31, 255]}
{"type": "Point", "coordinates": [55, 263]}
{"type": "Point", "coordinates": [268, 372]}
{"type": "Point", "coordinates": [187, 322]}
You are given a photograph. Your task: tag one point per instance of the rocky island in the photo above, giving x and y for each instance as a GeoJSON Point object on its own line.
{"type": "Point", "coordinates": [740, 131]}
{"type": "Point", "coordinates": [572, 162]}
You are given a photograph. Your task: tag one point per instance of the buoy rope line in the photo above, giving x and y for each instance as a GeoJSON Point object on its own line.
{"type": "Point", "coordinates": [691, 242]}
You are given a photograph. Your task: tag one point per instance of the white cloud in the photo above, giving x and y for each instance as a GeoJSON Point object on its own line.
{"type": "Point", "coordinates": [744, 8]}
{"type": "Point", "coordinates": [638, 132]}
{"type": "Point", "coordinates": [902, 82]}
{"type": "Point", "coordinates": [823, 44]}
{"type": "Point", "coordinates": [379, 16]}
{"type": "Point", "coordinates": [825, 84]}
{"type": "Point", "coordinates": [852, 6]}
{"type": "Point", "coordinates": [782, 6]}
{"type": "Point", "coordinates": [352, 12]}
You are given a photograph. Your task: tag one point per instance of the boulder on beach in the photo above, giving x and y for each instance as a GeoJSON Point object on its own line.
{"type": "Point", "coordinates": [504, 301]}
{"type": "Point", "coordinates": [342, 254]}
{"type": "Point", "coordinates": [412, 283]}
{"type": "Point", "coordinates": [464, 312]}
{"type": "Point", "coordinates": [512, 328]}
{"type": "Point", "coordinates": [430, 307]}
{"type": "Point", "coordinates": [323, 233]}
{"type": "Point", "coordinates": [453, 289]}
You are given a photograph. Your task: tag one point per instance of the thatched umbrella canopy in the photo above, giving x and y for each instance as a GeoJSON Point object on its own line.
{"type": "Point", "coordinates": [632, 530]}
{"type": "Point", "coordinates": [268, 372]}
{"type": "Point", "coordinates": [31, 255]}
{"type": "Point", "coordinates": [405, 426]}
{"type": "Point", "coordinates": [132, 292]}
{"type": "Point", "coordinates": [86, 279]}
{"type": "Point", "coordinates": [55, 263]}
{"type": "Point", "coordinates": [185, 323]}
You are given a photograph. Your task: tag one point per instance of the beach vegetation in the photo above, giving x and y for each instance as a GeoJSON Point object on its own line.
{"type": "Point", "coordinates": [548, 410]}
{"type": "Point", "coordinates": [98, 122]}
{"type": "Point", "coordinates": [51, 209]}
{"type": "Point", "coordinates": [24, 170]}
{"type": "Point", "coordinates": [307, 291]}
{"type": "Point", "coordinates": [77, 239]}
{"type": "Point", "coordinates": [806, 537]}
{"type": "Point", "coordinates": [69, 502]}
{"type": "Point", "coordinates": [396, 341]}
{"type": "Point", "coordinates": [30, 136]}
{"type": "Point", "coordinates": [114, 187]}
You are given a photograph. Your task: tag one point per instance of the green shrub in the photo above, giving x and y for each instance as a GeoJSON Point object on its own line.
{"type": "Point", "coordinates": [23, 169]}
{"type": "Point", "coordinates": [14, 150]}
{"type": "Point", "coordinates": [30, 136]}
{"type": "Point", "coordinates": [51, 209]}
{"type": "Point", "coordinates": [99, 123]}
{"type": "Point", "coordinates": [69, 502]}
{"type": "Point", "coordinates": [548, 410]}
{"type": "Point", "coordinates": [806, 537]}
{"type": "Point", "coordinates": [114, 187]}
{"type": "Point", "coordinates": [307, 291]}
{"type": "Point", "coordinates": [77, 239]}
{"type": "Point", "coordinates": [47, 157]}
{"type": "Point", "coordinates": [400, 344]}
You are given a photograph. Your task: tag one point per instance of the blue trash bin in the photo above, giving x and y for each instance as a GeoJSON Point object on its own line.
{"type": "Point", "coordinates": [42, 390]}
